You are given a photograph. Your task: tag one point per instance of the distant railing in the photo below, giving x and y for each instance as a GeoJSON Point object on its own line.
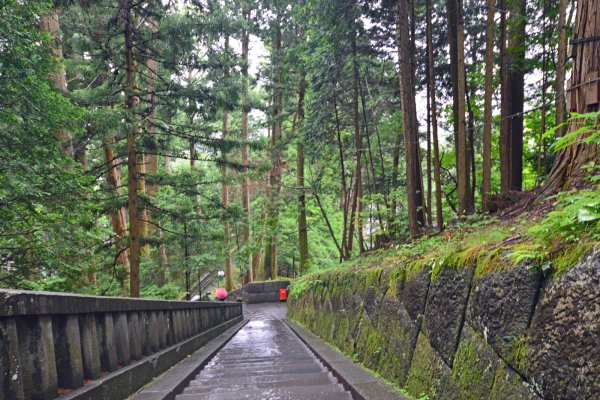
{"type": "Point", "coordinates": [54, 342]}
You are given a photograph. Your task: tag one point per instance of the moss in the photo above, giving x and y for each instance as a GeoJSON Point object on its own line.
{"type": "Point", "coordinates": [517, 357]}
{"type": "Point", "coordinates": [428, 373]}
{"type": "Point", "coordinates": [569, 257]}
{"type": "Point", "coordinates": [509, 386]}
{"type": "Point", "coordinates": [466, 371]}
{"type": "Point", "coordinates": [491, 261]}
{"type": "Point", "coordinates": [372, 277]}
{"type": "Point", "coordinates": [394, 277]}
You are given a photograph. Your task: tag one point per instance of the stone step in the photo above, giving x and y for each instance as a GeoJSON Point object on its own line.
{"type": "Point", "coordinates": [285, 360]}
{"type": "Point", "coordinates": [267, 379]}
{"type": "Point", "coordinates": [289, 382]}
{"type": "Point", "coordinates": [208, 374]}
{"type": "Point", "coordinates": [262, 368]}
{"type": "Point", "coordinates": [317, 392]}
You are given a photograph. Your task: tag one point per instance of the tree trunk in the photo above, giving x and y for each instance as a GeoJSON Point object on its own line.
{"type": "Point", "coordinates": [505, 146]}
{"type": "Point", "coordinates": [428, 162]}
{"type": "Point", "coordinates": [407, 100]}
{"type": "Point", "coordinates": [50, 23]}
{"type": "Point", "coordinates": [569, 166]}
{"type": "Point", "coordinates": [345, 239]}
{"type": "Point", "coordinates": [133, 100]}
{"type": "Point", "coordinates": [302, 225]}
{"type": "Point", "coordinates": [118, 217]}
{"type": "Point", "coordinates": [516, 77]}
{"type": "Point", "coordinates": [225, 201]}
{"type": "Point", "coordinates": [540, 146]}
{"type": "Point", "coordinates": [245, 149]}
{"type": "Point", "coordinates": [486, 182]}
{"type": "Point", "coordinates": [276, 157]}
{"type": "Point", "coordinates": [434, 125]}
{"type": "Point", "coordinates": [462, 167]}
{"type": "Point", "coordinates": [451, 14]}
{"type": "Point", "coordinates": [357, 199]}
{"type": "Point", "coordinates": [561, 62]}
{"type": "Point", "coordinates": [151, 158]}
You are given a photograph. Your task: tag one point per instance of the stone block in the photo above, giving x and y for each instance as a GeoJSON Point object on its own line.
{"type": "Point", "coordinates": [563, 347]}
{"type": "Point", "coordinates": [144, 318]}
{"type": "Point", "coordinates": [475, 365]}
{"type": "Point", "coordinates": [429, 374]}
{"type": "Point", "coordinates": [122, 338]}
{"type": "Point", "coordinates": [153, 332]}
{"type": "Point", "coordinates": [90, 352]}
{"type": "Point", "coordinates": [106, 336]}
{"type": "Point", "coordinates": [135, 343]}
{"type": "Point", "coordinates": [38, 363]}
{"type": "Point", "coordinates": [11, 376]}
{"type": "Point", "coordinates": [67, 349]}
{"type": "Point", "coordinates": [398, 341]}
{"type": "Point", "coordinates": [445, 310]}
{"type": "Point", "coordinates": [500, 309]}
{"type": "Point", "coordinates": [412, 292]}
{"type": "Point", "coordinates": [161, 327]}
{"type": "Point", "coordinates": [508, 385]}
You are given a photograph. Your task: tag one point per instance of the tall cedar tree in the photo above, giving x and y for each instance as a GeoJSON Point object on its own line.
{"type": "Point", "coordinates": [570, 165]}
{"type": "Point", "coordinates": [409, 118]}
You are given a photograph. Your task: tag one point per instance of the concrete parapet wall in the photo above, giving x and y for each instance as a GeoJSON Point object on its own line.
{"type": "Point", "coordinates": [52, 343]}
{"type": "Point", "coordinates": [460, 333]}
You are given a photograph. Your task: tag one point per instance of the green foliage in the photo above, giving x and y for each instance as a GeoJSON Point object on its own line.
{"type": "Point", "coordinates": [576, 217]}
{"type": "Point", "coordinates": [166, 292]}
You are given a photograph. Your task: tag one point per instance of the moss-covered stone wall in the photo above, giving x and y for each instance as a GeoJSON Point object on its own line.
{"type": "Point", "coordinates": [464, 332]}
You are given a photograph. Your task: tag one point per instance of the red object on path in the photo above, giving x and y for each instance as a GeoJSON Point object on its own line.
{"type": "Point", "coordinates": [221, 294]}
{"type": "Point", "coordinates": [282, 294]}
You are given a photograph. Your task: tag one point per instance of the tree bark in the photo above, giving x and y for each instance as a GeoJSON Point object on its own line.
{"type": "Point", "coordinates": [569, 169]}
{"type": "Point", "coordinates": [302, 225]}
{"type": "Point", "coordinates": [462, 167]}
{"type": "Point", "coordinates": [276, 157]}
{"type": "Point", "coordinates": [133, 128]}
{"type": "Point", "coordinates": [486, 182]}
{"type": "Point", "coordinates": [345, 239]}
{"type": "Point", "coordinates": [151, 158]}
{"type": "Point", "coordinates": [225, 201]}
{"type": "Point", "coordinates": [561, 62]}
{"type": "Point", "coordinates": [407, 99]}
{"type": "Point", "coordinates": [118, 216]}
{"type": "Point", "coordinates": [434, 124]}
{"type": "Point", "coordinates": [245, 148]}
{"type": "Point", "coordinates": [357, 195]}
{"type": "Point", "coordinates": [505, 142]}
{"type": "Point", "coordinates": [516, 77]}
{"type": "Point", "coordinates": [50, 23]}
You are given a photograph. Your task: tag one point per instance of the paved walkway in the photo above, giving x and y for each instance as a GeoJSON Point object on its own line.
{"type": "Point", "coordinates": [265, 360]}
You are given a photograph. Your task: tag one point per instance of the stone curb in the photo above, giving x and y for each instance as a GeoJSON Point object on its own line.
{"type": "Point", "coordinates": [127, 380]}
{"type": "Point", "coordinates": [172, 382]}
{"type": "Point", "coordinates": [362, 384]}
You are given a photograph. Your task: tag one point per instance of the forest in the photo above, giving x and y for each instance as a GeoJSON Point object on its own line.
{"type": "Point", "coordinates": [148, 143]}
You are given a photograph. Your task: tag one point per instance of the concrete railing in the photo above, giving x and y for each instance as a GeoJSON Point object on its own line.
{"type": "Point", "coordinates": [53, 343]}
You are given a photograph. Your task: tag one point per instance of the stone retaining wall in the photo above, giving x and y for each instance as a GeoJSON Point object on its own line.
{"type": "Point", "coordinates": [260, 292]}
{"type": "Point", "coordinates": [54, 342]}
{"type": "Point", "coordinates": [510, 334]}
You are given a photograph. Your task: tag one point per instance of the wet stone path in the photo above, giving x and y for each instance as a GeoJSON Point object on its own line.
{"type": "Point", "coordinates": [265, 360]}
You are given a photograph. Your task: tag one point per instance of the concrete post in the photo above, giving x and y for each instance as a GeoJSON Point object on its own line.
{"type": "Point", "coordinates": [38, 363]}
{"type": "Point", "coordinates": [122, 338]}
{"type": "Point", "coordinates": [11, 377]}
{"type": "Point", "coordinates": [67, 349]}
{"type": "Point", "coordinates": [106, 335]}
{"type": "Point", "coordinates": [89, 346]}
